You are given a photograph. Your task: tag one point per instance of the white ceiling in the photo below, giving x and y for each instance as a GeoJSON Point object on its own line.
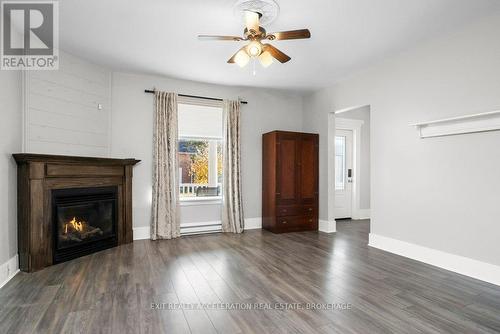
{"type": "Point", "coordinates": [160, 36]}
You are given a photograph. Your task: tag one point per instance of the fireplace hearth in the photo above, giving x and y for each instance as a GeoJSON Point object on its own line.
{"type": "Point", "coordinates": [71, 206]}
{"type": "Point", "coordinates": [84, 221]}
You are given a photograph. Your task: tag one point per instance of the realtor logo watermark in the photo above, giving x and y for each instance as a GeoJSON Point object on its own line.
{"type": "Point", "coordinates": [30, 35]}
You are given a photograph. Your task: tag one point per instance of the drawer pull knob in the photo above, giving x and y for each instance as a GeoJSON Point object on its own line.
{"type": "Point", "coordinates": [284, 210]}
{"type": "Point", "coordinates": [284, 222]}
{"type": "Point", "coordinates": [310, 209]}
{"type": "Point", "coordinates": [310, 220]}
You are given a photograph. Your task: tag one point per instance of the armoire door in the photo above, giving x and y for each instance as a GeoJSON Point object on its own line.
{"type": "Point", "coordinates": [287, 169]}
{"type": "Point", "coordinates": [308, 162]}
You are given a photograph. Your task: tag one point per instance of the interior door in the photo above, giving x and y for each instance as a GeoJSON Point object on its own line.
{"type": "Point", "coordinates": [287, 174]}
{"type": "Point", "coordinates": [344, 173]}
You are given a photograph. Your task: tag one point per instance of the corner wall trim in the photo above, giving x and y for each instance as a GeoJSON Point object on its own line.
{"type": "Point", "coordinates": [8, 270]}
{"type": "Point", "coordinates": [459, 264]}
{"type": "Point", "coordinates": [327, 226]}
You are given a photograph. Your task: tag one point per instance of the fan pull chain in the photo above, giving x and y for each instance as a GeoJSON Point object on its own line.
{"type": "Point", "coordinates": [254, 71]}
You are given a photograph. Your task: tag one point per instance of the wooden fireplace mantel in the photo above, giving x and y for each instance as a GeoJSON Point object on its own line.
{"type": "Point", "coordinates": [39, 174]}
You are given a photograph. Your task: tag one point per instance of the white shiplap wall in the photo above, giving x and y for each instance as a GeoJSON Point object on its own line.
{"type": "Point", "coordinates": [61, 114]}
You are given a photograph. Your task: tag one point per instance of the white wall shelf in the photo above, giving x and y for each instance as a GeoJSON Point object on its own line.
{"type": "Point", "coordinates": [488, 121]}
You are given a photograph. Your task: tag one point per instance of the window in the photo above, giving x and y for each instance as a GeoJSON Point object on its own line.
{"type": "Point", "coordinates": [200, 152]}
{"type": "Point", "coordinates": [200, 167]}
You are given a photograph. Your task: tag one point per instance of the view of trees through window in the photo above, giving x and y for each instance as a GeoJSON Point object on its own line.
{"type": "Point", "coordinates": [196, 163]}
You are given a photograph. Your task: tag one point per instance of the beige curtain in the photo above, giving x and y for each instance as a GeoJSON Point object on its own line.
{"type": "Point", "coordinates": [165, 222]}
{"type": "Point", "coordinates": [232, 209]}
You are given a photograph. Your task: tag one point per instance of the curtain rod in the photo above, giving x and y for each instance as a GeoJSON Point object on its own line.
{"type": "Point", "coordinates": [194, 96]}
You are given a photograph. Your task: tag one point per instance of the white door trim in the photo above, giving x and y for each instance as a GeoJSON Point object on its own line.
{"type": "Point", "coordinates": [355, 126]}
{"type": "Point", "coordinates": [331, 175]}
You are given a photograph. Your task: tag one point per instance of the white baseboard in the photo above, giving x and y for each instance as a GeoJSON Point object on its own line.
{"type": "Point", "coordinates": [473, 268]}
{"type": "Point", "coordinates": [327, 227]}
{"type": "Point", "coordinates": [8, 270]}
{"type": "Point", "coordinates": [143, 232]}
{"type": "Point", "coordinates": [362, 214]}
{"type": "Point", "coordinates": [253, 223]}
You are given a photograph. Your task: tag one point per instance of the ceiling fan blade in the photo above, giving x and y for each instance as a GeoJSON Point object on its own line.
{"type": "Point", "coordinates": [219, 38]}
{"type": "Point", "coordinates": [291, 34]}
{"type": "Point", "coordinates": [252, 20]}
{"type": "Point", "coordinates": [280, 56]}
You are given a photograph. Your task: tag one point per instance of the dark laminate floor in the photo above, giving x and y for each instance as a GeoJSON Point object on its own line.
{"type": "Point", "coordinates": [112, 291]}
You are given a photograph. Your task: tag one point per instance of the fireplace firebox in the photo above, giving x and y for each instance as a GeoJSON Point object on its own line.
{"type": "Point", "coordinates": [84, 221]}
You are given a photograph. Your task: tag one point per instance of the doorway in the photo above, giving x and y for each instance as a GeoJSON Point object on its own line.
{"type": "Point", "coordinates": [350, 163]}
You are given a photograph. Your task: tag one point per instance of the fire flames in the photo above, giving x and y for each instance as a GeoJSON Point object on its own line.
{"type": "Point", "coordinates": [76, 230]}
{"type": "Point", "coordinates": [74, 225]}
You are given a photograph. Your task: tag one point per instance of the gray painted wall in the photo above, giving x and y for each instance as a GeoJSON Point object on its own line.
{"type": "Point", "coordinates": [62, 109]}
{"type": "Point", "coordinates": [362, 114]}
{"type": "Point", "coordinates": [10, 142]}
{"type": "Point", "coordinates": [317, 106]}
{"type": "Point", "coordinates": [441, 193]}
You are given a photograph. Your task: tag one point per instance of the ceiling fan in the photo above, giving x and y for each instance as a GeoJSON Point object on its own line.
{"type": "Point", "coordinates": [256, 34]}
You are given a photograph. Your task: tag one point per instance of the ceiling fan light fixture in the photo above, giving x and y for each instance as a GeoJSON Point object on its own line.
{"type": "Point", "coordinates": [268, 10]}
{"type": "Point", "coordinates": [252, 20]}
{"type": "Point", "coordinates": [266, 59]}
{"type": "Point", "coordinates": [257, 13]}
{"type": "Point", "coordinates": [254, 49]}
{"type": "Point", "coordinates": [242, 58]}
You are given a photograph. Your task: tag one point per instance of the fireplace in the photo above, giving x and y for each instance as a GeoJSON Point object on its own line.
{"type": "Point", "coordinates": [71, 206]}
{"type": "Point", "coordinates": [84, 221]}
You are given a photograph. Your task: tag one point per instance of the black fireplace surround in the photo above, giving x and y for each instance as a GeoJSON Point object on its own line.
{"type": "Point", "coordinates": [84, 221]}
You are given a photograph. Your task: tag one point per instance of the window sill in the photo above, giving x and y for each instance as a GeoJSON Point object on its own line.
{"type": "Point", "coordinates": [188, 201]}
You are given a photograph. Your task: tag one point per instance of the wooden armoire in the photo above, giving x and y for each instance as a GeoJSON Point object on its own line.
{"type": "Point", "coordinates": [289, 181]}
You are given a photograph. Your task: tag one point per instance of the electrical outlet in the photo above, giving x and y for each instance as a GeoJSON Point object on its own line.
{"type": "Point", "coordinates": [99, 106]}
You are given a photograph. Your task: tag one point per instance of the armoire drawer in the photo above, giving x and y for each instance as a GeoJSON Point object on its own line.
{"type": "Point", "coordinates": [289, 210]}
{"type": "Point", "coordinates": [294, 221]}
{"type": "Point", "coordinates": [287, 221]}
{"type": "Point", "coordinates": [296, 210]}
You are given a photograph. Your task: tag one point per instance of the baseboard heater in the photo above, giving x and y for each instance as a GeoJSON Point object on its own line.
{"type": "Point", "coordinates": [201, 228]}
